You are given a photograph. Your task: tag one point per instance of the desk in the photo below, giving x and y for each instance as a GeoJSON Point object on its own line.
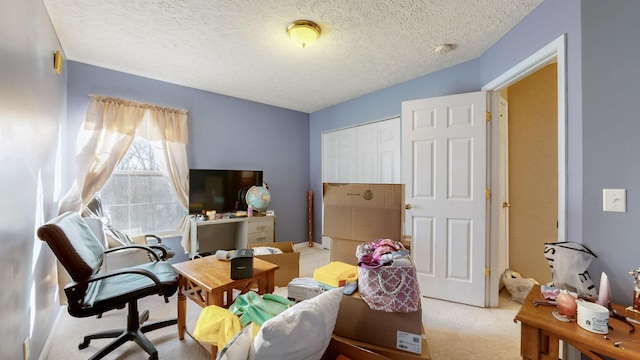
{"type": "Point", "coordinates": [207, 281]}
{"type": "Point", "coordinates": [235, 233]}
{"type": "Point", "coordinates": [540, 333]}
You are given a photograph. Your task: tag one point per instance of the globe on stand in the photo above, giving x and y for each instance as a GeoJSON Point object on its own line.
{"type": "Point", "coordinates": [258, 198]}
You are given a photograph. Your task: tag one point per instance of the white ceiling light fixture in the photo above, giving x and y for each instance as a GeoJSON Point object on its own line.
{"type": "Point", "coordinates": [303, 32]}
{"type": "Point", "coordinates": [443, 49]}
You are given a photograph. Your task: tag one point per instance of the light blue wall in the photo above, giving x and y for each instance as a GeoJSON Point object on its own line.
{"type": "Point", "coordinates": [546, 23]}
{"type": "Point", "coordinates": [32, 111]}
{"type": "Point", "coordinates": [224, 133]}
{"type": "Point", "coordinates": [611, 128]}
{"type": "Point", "coordinates": [602, 59]}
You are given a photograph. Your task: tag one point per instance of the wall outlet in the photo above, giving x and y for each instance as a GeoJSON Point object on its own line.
{"type": "Point", "coordinates": [25, 349]}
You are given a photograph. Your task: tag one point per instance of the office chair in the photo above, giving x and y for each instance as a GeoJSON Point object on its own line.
{"type": "Point", "coordinates": [92, 292]}
{"type": "Point", "coordinates": [116, 238]}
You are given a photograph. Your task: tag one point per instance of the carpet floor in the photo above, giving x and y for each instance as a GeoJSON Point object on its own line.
{"type": "Point", "coordinates": [454, 331]}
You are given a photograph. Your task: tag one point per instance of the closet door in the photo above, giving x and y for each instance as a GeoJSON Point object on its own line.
{"type": "Point", "coordinates": [331, 157]}
{"type": "Point", "coordinates": [339, 156]}
{"type": "Point", "coordinates": [367, 153]}
{"type": "Point", "coordinates": [378, 150]}
{"type": "Point", "coordinates": [338, 161]}
{"type": "Point", "coordinates": [389, 145]}
{"type": "Point", "coordinates": [367, 149]}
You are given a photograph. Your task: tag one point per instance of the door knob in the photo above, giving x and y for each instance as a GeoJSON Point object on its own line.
{"type": "Point", "coordinates": [407, 206]}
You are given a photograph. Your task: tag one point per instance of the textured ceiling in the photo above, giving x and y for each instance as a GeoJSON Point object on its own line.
{"type": "Point", "coordinates": [240, 48]}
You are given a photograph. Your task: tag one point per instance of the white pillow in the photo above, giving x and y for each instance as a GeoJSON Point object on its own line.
{"type": "Point", "coordinates": [303, 331]}
{"type": "Point", "coordinates": [238, 347]}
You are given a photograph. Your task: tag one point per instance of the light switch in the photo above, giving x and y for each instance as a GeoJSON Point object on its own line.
{"type": "Point", "coordinates": [614, 200]}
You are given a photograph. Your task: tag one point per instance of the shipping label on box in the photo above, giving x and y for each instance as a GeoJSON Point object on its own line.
{"type": "Point", "coordinates": [409, 342]}
{"type": "Point", "coordinates": [363, 212]}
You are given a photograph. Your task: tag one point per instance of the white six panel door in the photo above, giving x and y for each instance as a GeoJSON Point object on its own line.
{"type": "Point", "coordinates": [444, 151]}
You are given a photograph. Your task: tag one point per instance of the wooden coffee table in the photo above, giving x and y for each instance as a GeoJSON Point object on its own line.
{"type": "Point", "coordinates": [207, 281]}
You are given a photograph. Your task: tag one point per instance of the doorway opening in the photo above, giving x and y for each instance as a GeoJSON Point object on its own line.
{"type": "Point", "coordinates": [498, 244]}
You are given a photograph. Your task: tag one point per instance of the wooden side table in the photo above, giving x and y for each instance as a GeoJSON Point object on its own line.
{"type": "Point", "coordinates": [207, 281]}
{"type": "Point", "coordinates": [540, 333]}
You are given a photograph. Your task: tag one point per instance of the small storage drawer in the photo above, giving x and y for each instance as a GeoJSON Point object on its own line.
{"type": "Point", "coordinates": [260, 238]}
{"type": "Point", "coordinates": [260, 225]}
{"type": "Point", "coordinates": [260, 230]}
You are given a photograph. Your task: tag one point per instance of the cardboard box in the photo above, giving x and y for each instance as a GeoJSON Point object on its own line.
{"type": "Point", "coordinates": [392, 330]}
{"type": "Point", "coordinates": [344, 250]}
{"type": "Point", "coordinates": [356, 213]}
{"type": "Point", "coordinates": [386, 352]}
{"type": "Point", "coordinates": [289, 261]}
{"type": "Point", "coordinates": [339, 346]}
{"type": "Point", "coordinates": [363, 211]}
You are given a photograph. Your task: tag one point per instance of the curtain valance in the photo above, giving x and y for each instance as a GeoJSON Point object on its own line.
{"type": "Point", "coordinates": [110, 126]}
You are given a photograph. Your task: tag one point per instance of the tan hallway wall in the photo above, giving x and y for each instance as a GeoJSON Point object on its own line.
{"type": "Point", "coordinates": [533, 172]}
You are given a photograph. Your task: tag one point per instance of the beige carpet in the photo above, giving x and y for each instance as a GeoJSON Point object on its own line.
{"type": "Point", "coordinates": [454, 331]}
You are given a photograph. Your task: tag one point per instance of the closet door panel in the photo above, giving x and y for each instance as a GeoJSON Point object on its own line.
{"type": "Point", "coordinates": [367, 148]}
{"type": "Point", "coordinates": [389, 145]}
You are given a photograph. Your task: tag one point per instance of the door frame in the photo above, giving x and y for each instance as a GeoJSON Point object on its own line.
{"type": "Point", "coordinates": [503, 193]}
{"type": "Point", "coordinates": [555, 51]}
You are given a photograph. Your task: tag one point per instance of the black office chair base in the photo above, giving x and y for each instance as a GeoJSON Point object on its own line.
{"type": "Point", "coordinates": [143, 317]}
{"type": "Point", "coordinates": [134, 332]}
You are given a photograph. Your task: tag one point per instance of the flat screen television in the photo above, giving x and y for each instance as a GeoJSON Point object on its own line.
{"type": "Point", "coordinates": [220, 190]}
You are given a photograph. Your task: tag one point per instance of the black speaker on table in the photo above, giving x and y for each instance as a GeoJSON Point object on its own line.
{"type": "Point", "coordinates": [242, 264]}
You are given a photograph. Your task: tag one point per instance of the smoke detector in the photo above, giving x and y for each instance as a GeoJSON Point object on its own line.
{"type": "Point", "coordinates": [443, 49]}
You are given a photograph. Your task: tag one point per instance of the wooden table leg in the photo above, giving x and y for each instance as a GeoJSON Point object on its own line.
{"type": "Point", "coordinates": [266, 284]}
{"type": "Point", "coordinates": [529, 342]}
{"type": "Point", "coordinates": [229, 298]}
{"type": "Point", "coordinates": [214, 352]}
{"type": "Point", "coordinates": [182, 310]}
{"type": "Point", "coordinates": [215, 298]}
{"type": "Point", "coordinates": [271, 282]}
{"type": "Point", "coordinates": [536, 344]}
{"type": "Point", "coordinates": [550, 346]}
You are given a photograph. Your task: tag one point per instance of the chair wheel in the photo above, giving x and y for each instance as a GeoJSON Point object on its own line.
{"type": "Point", "coordinates": [154, 357]}
{"type": "Point", "coordinates": [84, 345]}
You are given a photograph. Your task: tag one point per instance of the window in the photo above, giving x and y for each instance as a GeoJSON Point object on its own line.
{"type": "Point", "coordinates": [137, 197]}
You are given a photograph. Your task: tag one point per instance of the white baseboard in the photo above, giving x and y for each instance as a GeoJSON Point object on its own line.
{"type": "Point", "coordinates": [326, 242]}
{"type": "Point", "coordinates": [301, 245]}
{"type": "Point", "coordinates": [47, 343]}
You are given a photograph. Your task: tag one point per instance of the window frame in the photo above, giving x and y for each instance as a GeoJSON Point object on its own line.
{"type": "Point", "coordinates": [133, 173]}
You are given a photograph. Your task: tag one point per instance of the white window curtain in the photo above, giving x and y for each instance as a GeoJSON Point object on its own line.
{"type": "Point", "coordinates": [110, 126]}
